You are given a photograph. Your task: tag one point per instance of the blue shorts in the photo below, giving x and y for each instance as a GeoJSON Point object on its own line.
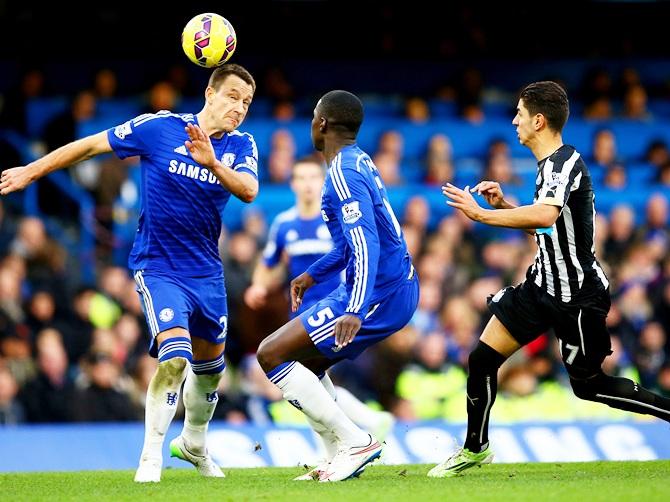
{"type": "Point", "coordinates": [197, 304]}
{"type": "Point", "coordinates": [383, 319]}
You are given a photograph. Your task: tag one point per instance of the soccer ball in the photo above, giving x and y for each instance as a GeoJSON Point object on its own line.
{"type": "Point", "coordinates": [208, 40]}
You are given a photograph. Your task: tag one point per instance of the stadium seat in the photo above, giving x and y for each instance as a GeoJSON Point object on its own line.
{"type": "Point", "coordinates": [40, 111]}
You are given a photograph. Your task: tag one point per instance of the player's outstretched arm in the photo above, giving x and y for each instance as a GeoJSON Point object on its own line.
{"type": "Point", "coordinates": [17, 178]}
{"type": "Point", "coordinates": [523, 217]}
{"type": "Point", "coordinates": [492, 192]}
{"type": "Point", "coordinates": [242, 185]}
{"type": "Point", "coordinates": [264, 280]}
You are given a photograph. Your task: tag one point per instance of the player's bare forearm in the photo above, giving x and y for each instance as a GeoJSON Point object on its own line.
{"type": "Point", "coordinates": [18, 178]}
{"type": "Point", "coordinates": [504, 204]}
{"type": "Point", "coordinates": [241, 185]}
{"type": "Point", "coordinates": [269, 277]}
{"type": "Point", "coordinates": [522, 217]}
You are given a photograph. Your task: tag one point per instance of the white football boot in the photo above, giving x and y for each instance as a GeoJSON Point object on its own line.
{"type": "Point", "coordinates": [350, 460]}
{"type": "Point", "coordinates": [203, 463]}
{"type": "Point", "coordinates": [149, 471]}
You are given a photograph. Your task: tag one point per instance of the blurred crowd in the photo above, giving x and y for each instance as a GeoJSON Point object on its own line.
{"type": "Point", "coordinates": [72, 351]}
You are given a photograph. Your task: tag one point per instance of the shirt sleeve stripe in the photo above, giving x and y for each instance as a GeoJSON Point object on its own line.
{"type": "Point", "coordinates": [336, 180]}
{"type": "Point", "coordinates": [361, 270]}
{"type": "Point", "coordinates": [343, 182]}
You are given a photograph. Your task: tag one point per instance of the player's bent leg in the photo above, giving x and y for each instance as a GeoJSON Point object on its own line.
{"type": "Point", "coordinates": [379, 423]}
{"type": "Point", "coordinates": [200, 399]}
{"type": "Point", "coordinates": [174, 356]}
{"type": "Point", "coordinates": [280, 355]}
{"type": "Point", "coordinates": [620, 393]}
{"type": "Point", "coordinates": [495, 345]}
{"type": "Point", "coordinates": [318, 366]}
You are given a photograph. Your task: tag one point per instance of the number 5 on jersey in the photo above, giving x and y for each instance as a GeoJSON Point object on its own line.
{"type": "Point", "coordinates": [320, 317]}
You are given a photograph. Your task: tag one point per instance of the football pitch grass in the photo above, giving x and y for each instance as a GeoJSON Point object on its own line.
{"type": "Point", "coordinates": [593, 481]}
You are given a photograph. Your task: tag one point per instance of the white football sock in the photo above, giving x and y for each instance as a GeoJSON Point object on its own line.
{"type": "Point", "coordinates": [358, 411]}
{"type": "Point", "coordinates": [327, 437]}
{"type": "Point", "coordinates": [200, 400]}
{"type": "Point", "coordinates": [162, 399]}
{"type": "Point", "coordinates": [303, 389]}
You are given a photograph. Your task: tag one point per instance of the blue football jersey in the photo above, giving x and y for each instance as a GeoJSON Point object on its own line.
{"type": "Point", "coordinates": [182, 202]}
{"type": "Point", "coordinates": [304, 241]}
{"type": "Point", "coordinates": [367, 237]}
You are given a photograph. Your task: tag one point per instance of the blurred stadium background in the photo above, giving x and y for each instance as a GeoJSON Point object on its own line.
{"type": "Point", "coordinates": [439, 92]}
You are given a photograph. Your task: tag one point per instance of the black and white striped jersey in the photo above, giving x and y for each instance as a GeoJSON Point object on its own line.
{"type": "Point", "coordinates": [565, 264]}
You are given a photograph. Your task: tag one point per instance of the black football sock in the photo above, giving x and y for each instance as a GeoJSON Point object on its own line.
{"type": "Point", "coordinates": [621, 393]}
{"type": "Point", "coordinates": [482, 388]}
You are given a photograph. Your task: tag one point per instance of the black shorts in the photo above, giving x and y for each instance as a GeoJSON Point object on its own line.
{"type": "Point", "coordinates": [527, 311]}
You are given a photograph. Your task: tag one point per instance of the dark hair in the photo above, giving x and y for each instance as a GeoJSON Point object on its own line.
{"type": "Point", "coordinates": [220, 74]}
{"type": "Point", "coordinates": [549, 99]}
{"type": "Point", "coordinates": [342, 110]}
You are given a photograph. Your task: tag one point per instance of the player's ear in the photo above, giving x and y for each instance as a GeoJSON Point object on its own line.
{"type": "Point", "coordinates": [538, 121]}
{"type": "Point", "coordinates": [323, 125]}
{"type": "Point", "coordinates": [209, 94]}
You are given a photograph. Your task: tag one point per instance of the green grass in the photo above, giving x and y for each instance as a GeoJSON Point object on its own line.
{"type": "Point", "coordinates": [595, 481]}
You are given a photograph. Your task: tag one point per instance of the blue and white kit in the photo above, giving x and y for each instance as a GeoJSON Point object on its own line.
{"type": "Point", "coordinates": [381, 287]}
{"type": "Point", "coordinates": [303, 241]}
{"type": "Point", "coordinates": [175, 257]}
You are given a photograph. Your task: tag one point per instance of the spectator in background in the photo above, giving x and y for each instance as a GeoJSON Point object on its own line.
{"type": "Point", "coordinates": [13, 105]}
{"type": "Point", "coordinates": [12, 316]}
{"type": "Point", "coordinates": [45, 259]}
{"type": "Point", "coordinates": [650, 355]}
{"type": "Point", "coordinates": [469, 96]}
{"type": "Point", "coordinates": [11, 410]}
{"type": "Point", "coordinates": [655, 227]}
{"type": "Point", "coordinates": [389, 168]}
{"type": "Point", "coordinates": [604, 149]}
{"type": "Point", "coordinates": [389, 156]}
{"type": "Point", "coordinates": [162, 96]}
{"type": "Point", "coordinates": [596, 94]}
{"type": "Point", "coordinates": [18, 355]}
{"type": "Point", "coordinates": [41, 311]}
{"type": "Point", "coordinates": [499, 168]}
{"type": "Point", "coordinates": [48, 397]}
{"type": "Point", "coordinates": [664, 174]}
{"type": "Point", "coordinates": [78, 329]}
{"type": "Point", "coordinates": [615, 176]}
{"type": "Point", "coordinates": [622, 226]}
{"type": "Point", "coordinates": [635, 104]}
{"type": "Point", "coordinates": [276, 85]}
{"type": "Point", "coordinates": [393, 143]}
{"type": "Point", "coordinates": [282, 156]}
{"type": "Point", "coordinates": [439, 160]}
{"type": "Point", "coordinates": [417, 214]}
{"type": "Point", "coordinates": [426, 319]}
{"type": "Point", "coordinates": [432, 385]}
{"type": "Point", "coordinates": [105, 84]}
{"type": "Point", "coordinates": [64, 128]}
{"type": "Point", "coordinates": [60, 130]}
{"type": "Point", "coordinates": [657, 153]}
{"type": "Point", "coordinates": [417, 111]}
{"type": "Point", "coordinates": [238, 264]}
{"type": "Point", "coordinates": [461, 322]}
{"type": "Point", "coordinates": [283, 111]}
{"type": "Point", "coordinates": [101, 398]}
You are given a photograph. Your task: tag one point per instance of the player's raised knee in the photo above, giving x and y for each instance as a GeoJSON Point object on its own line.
{"type": "Point", "coordinates": [267, 355]}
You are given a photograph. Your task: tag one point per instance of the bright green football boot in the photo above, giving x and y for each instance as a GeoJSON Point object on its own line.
{"type": "Point", "coordinates": [461, 460]}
